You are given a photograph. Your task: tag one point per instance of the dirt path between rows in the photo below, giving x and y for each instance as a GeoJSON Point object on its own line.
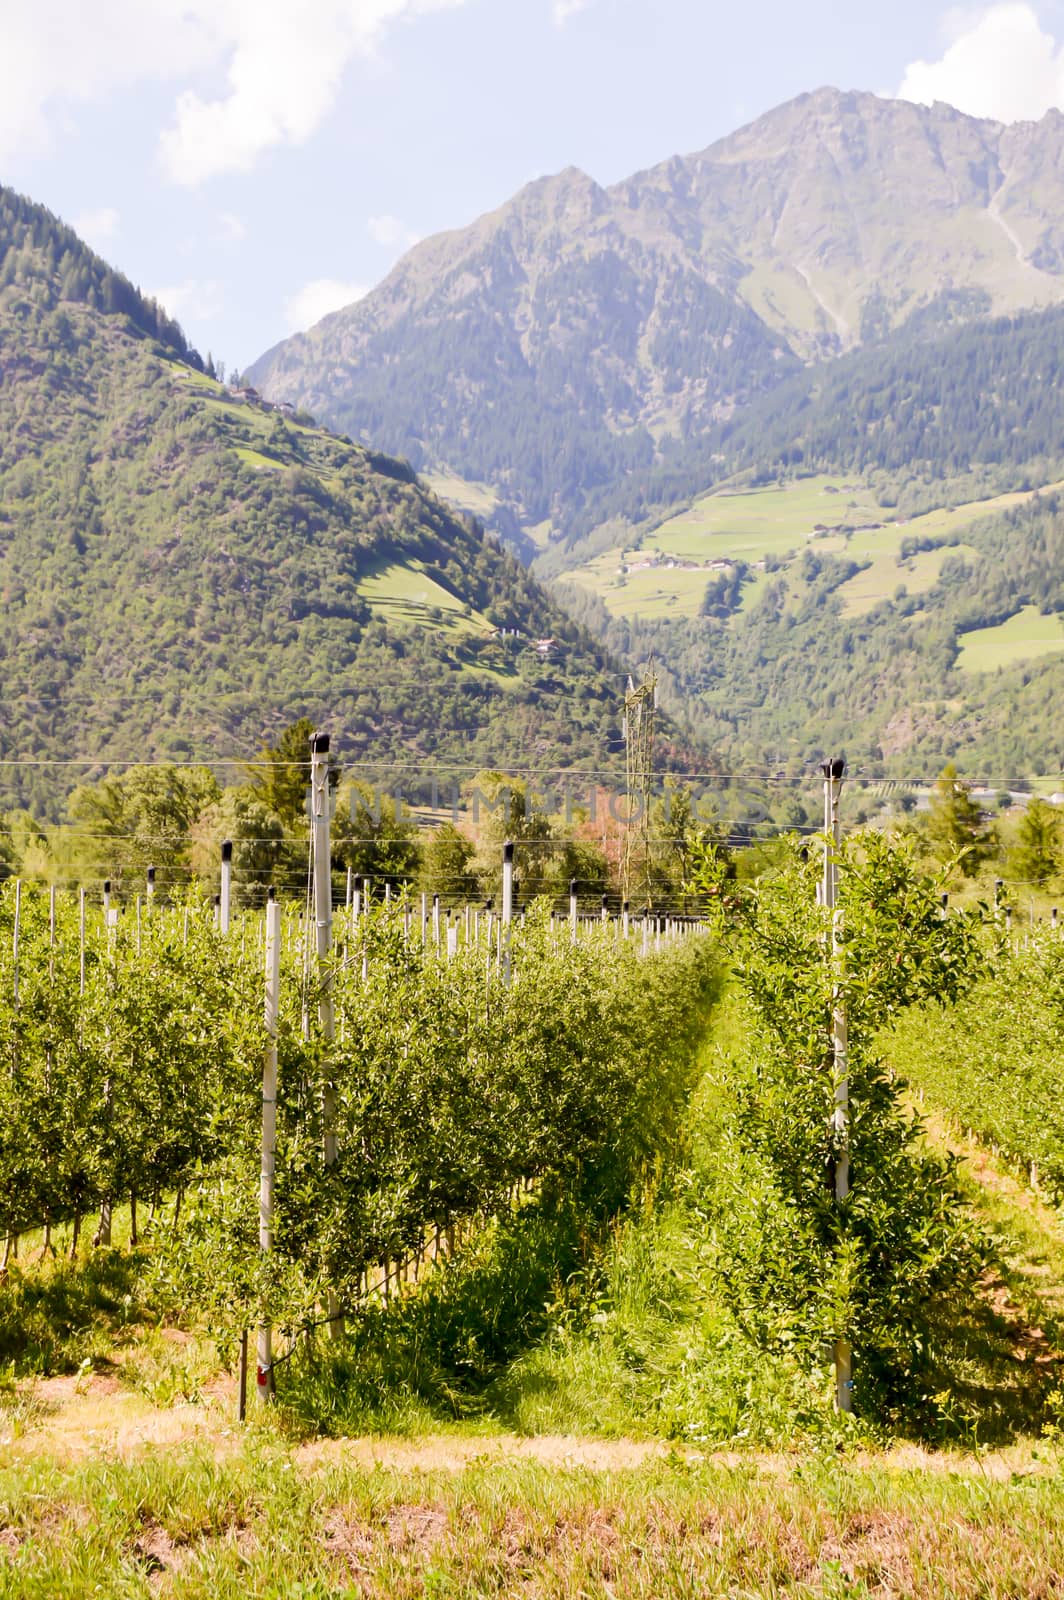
{"type": "Point", "coordinates": [73, 1420]}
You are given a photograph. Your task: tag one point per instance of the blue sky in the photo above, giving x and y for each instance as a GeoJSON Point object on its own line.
{"type": "Point", "coordinates": [256, 162]}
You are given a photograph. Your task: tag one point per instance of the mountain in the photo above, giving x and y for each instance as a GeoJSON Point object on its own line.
{"type": "Point", "coordinates": [185, 570]}
{"type": "Point", "coordinates": [580, 337]}
{"type": "Point", "coordinates": [903, 641]}
{"type": "Point", "coordinates": [932, 416]}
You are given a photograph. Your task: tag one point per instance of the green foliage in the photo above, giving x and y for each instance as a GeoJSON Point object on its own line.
{"type": "Point", "coordinates": [792, 670]}
{"type": "Point", "coordinates": [955, 826]}
{"type": "Point", "coordinates": [163, 587]}
{"type": "Point", "coordinates": [800, 1268]}
{"type": "Point", "coordinates": [131, 1085]}
{"type": "Point", "coordinates": [375, 837]}
{"type": "Point", "coordinates": [280, 776]}
{"type": "Point", "coordinates": [141, 817]}
{"type": "Point", "coordinates": [446, 865]}
{"type": "Point", "coordinates": [60, 1317]}
{"type": "Point", "coordinates": [1038, 854]}
{"type": "Point", "coordinates": [149, 1082]}
{"type": "Point", "coordinates": [260, 850]}
{"type": "Point", "coordinates": [579, 1071]}
{"type": "Point", "coordinates": [993, 1061]}
{"type": "Point", "coordinates": [42, 258]}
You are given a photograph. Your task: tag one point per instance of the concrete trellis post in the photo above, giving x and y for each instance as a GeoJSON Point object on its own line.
{"type": "Point", "coordinates": [507, 909]}
{"type": "Point", "coordinates": [225, 899]}
{"type": "Point", "coordinates": [264, 1373]}
{"type": "Point", "coordinates": [321, 814]}
{"type": "Point", "coordinates": [833, 777]}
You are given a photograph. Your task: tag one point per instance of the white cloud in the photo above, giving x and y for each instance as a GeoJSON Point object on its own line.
{"type": "Point", "coordinates": [280, 62]}
{"type": "Point", "coordinates": [285, 62]}
{"type": "Point", "coordinates": [56, 57]}
{"type": "Point", "coordinates": [97, 228]}
{"type": "Point", "coordinates": [562, 10]}
{"type": "Point", "coordinates": [389, 231]}
{"type": "Point", "coordinates": [317, 298]}
{"type": "Point", "coordinates": [194, 299]}
{"type": "Point", "coordinates": [999, 63]}
{"type": "Point", "coordinates": [231, 228]}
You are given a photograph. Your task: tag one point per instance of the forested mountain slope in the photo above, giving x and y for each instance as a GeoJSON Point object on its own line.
{"type": "Point", "coordinates": [183, 574]}
{"type": "Point", "coordinates": [904, 649]}
{"type": "Point", "coordinates": [579, 337]}
{"type": "Point", "coordinates": [979, 406]}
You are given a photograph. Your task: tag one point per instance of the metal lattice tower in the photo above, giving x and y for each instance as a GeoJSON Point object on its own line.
{"type": "Point", "coordinates": [639, 708]}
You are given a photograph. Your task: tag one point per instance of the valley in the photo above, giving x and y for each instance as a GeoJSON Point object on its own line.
{"type": "Point", "coordinates": [531, 850]}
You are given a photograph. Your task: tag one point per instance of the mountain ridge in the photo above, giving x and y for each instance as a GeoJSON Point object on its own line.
{"type": "Point", "coordinates": [577, 333]}
{"type": "Point", "coordinates": [184, 571]}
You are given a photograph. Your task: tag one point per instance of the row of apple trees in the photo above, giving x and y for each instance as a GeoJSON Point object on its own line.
{"type": "Point", "coordinates": [131, 1067]}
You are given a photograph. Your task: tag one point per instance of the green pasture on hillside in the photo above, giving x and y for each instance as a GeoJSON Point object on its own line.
{"type": "Point", "coordinates": [461, 492]}
{"type": "Point", "coordinates": [917, 574]}
{"type": "Point", "coordinates": [828, 515]}
{"type": "Point", "coordinates": [772, 521]}
{"type": "Point", "coordinates": [255, 458]}
{"type": "Point", "coordinates": [1024, 636]}
{"type": "Point", "coordinates": [404, 594]}
{"type": "Point", "coordinates": [653, 592]}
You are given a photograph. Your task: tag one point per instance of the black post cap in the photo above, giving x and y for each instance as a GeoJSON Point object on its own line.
{"type": "Point", "coordinates": [572, 885]}
{"type": "Point", "coordinates": [508, 851]}
{"type": "Point", "coordinates": [227, 850]}
{"type": "Point", "coordinates": [319, 744]}
{"type": "Point", "coordinates": [271, 893]}
{"type": "Point", "coordinates": [107, 886]}
{"type": "Point", "coordinates": [151, 874]}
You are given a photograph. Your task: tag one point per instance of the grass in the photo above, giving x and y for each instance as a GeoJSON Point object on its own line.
{"type": "Point", "coordinates": [478, 498]}
{"type": "Point", "coordinates": [194, 379]}
{"type": "Point", "coordinates": [262, 1521]}
{"type": "Point", "coordinates": [877, 582]}
{"type": "Point", "coordinates": [654, 592]}
{"type": "Point", "coordinates": [558, 1414]}
{"type": "Point", "coordinates": [255, 458]}
{"type": "Point", "coordinates": [770, 521]}
{"type": "Point", "coordinates": [830, 515]}
{"type": "Point", "coordinates": [404, 594]}
{"type": "Point", "coordinates": [1022, 637]}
